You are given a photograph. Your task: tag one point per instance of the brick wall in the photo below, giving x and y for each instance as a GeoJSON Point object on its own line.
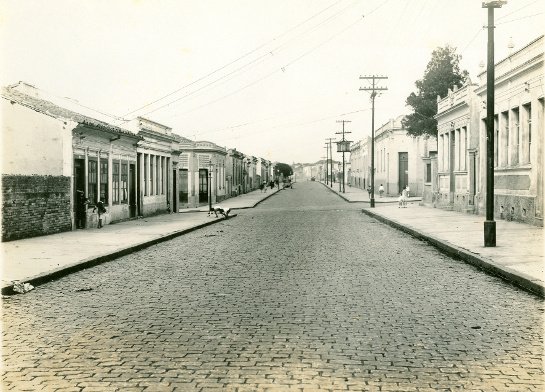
{"type": "Point", "coordinates": [34, 205]}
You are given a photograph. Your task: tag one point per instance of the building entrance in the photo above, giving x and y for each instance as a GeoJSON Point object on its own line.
{"type": "Point", "coordinates": [403, 170]}
{"type": "Point", "coordinates": [203, 186]}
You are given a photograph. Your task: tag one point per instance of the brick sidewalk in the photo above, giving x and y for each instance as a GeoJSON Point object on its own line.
{"type": "Point", "coordinates": [40, 259]}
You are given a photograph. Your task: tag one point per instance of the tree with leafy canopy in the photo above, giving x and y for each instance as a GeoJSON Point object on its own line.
{"type": "Point", "coordinates": [443, 73]}
{"type": "Point", "coordinates": [285, 169]}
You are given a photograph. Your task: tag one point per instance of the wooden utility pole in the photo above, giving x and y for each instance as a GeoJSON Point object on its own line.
{"type": "Point", "coordinates": [331, 160]}
{"type": "Point", "coordinates": [343, 144]}
{"type": "Point", "coordinates": [324, 168]}
{"type": "Point", "coordinates": [373, 90]}
{"type": "Point", "coordinates": [326, 161]}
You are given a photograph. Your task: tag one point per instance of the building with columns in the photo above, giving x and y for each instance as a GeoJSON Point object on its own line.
{"type": "Point", "coordinates": [234, 172]}
{"type": "Point", "coordinates": [518, 133]}
{"type": "Point", "coordinates": [154, 165]}
{"type": "Point", "coordinates": [457, 149]}
{"type": "Point", "coordinates": [53, 158]}
{"type": "Point", "coordinates": [360, 165]}
{"type": "Point", "coordinates": [202, 172]}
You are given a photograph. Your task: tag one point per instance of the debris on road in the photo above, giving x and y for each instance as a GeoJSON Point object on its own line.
{"type": "Point", "coordinates": [22, 288]}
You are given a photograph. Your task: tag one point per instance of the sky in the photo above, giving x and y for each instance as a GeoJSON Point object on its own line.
{"type": "Point", "coordinates": [269, 78]}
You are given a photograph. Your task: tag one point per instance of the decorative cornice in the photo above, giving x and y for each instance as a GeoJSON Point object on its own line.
{"type": "Point", "coordinates": [504, 78]}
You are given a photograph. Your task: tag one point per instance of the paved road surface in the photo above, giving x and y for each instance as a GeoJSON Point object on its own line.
{"type": "Point", "coordinates": [302, 293]}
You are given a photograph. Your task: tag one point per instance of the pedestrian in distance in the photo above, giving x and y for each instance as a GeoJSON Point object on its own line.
{"type": "Point", "coordinates": [265, 186]}
{"type": "Point", "coordinates": [402, 200]}
{"type": "Point", "coordinates": [99, 207]}
{"type": "Point", "coordinates": [369, 191]}
{"type": "Point", "coordinates": [408, 191]}
{"type": "Point", "coordinates": [261, 186]}
{"type": "Point", "coordinates": [81, 208]}
{"type": "Point", "coordinates": [380, 190]}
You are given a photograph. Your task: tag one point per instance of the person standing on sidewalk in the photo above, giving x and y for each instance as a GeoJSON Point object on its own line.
{"type": "Point", "coordinates": [99, 207]}
{"type": "Point", "coordinates": [381, 190]}
{"type": "Point", "coordinates": [408, 191]}
{"type": "Point", "coordinates": [81, 209]}
{"type": "Point", "coordinates": [403, 199]}
{"type": "Point", "coordinates": [369, 191]}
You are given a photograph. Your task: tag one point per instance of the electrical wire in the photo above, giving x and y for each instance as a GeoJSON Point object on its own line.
{"type": "Point", "coordinates": [79, 104]}
{"type": "Point", "coordinates": [272, 73]}
{"type": "Point", "coordinates": [470, 42]}
{"type": "Point", "coordinates": [262, 58]}
{"type": "Point", "coordinates": [524, 17]}
{"type": "Point", "coordinates": [234, 61]}
{"type": "Point", "coordinates": [273, 129]}
{"type": "Point", "coordinates": [263, 119]}
{"type": "Point", "coordinates": [511, 13]}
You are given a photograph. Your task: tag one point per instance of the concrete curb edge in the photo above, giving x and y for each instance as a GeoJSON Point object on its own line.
{"type": "Point", "coordinates": [265, 198]}
{"type": "Point", "coordinates": [356, 201]}
{"type": "Point", "coordinates": [483, 263]}
{"type": "Point", "coordinates": [91, 262]}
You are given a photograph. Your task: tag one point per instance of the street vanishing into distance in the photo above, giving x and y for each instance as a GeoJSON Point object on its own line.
{"type": "Point", "coordinates": [301, 293]}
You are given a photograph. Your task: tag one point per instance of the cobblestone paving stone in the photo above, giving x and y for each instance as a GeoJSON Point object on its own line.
{"type": "Point", "coordinates": [303, 293]}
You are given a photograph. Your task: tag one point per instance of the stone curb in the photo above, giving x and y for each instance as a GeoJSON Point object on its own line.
{"type": "Point", "coordinates": [265, 198]}
{"type": "Point", "coordinates": [517, 278]}
{"type": "Point", "coordinates": [354, 201]}
{"type": "Point", "coordinates": [92, 261]}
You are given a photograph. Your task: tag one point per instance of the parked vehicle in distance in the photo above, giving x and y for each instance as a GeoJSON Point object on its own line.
{"type": "Point", "coordinates": [313, 179]}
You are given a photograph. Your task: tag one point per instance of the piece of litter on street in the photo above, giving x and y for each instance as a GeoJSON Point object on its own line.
{"type": "Point", "coordinates": [21, 288]}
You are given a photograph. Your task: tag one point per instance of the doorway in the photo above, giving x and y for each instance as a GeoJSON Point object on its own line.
{"type": "Point", "coordinates": [79, 193]}
{"type": "Point", "coordinates": [184, 186]}
{"type": "Point", "coordinates": [403, 170]}
{"type": "Point", "coordinates": [132, 191]}
{"type": "Point", "coordinates": [203, 186]}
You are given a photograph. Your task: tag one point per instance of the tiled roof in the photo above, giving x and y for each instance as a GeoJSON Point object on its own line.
{"type": "Point", "coordinates": [53, 110]}
{"type": "Point", "coordinates": [180, 139]}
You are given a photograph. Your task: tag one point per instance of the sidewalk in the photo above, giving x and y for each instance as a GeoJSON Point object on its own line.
{"type": "Point", "coordinates": [356, 195]}
{"type": "Point", "coordinates": [246, 200]}
{"type": "Point", "coordinates": [41, 259]}
{"type": "Point", "coordinates": [518, 256]}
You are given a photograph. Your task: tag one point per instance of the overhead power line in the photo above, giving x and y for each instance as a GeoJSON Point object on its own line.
{"type": "Point", "coordinates": [272, 73]}
{"type": "Point", "coordinates": [521, 8]}
{"type": "Point", "coordinates": [524, 17]}
{"type": "Point", "coordinates": [234, 61]}
{"type": "Point", "coordinates": [259, 60]}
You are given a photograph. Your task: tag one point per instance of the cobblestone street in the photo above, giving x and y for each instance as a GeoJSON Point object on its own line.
{"type": "Point", "coordinates": [301, 293]}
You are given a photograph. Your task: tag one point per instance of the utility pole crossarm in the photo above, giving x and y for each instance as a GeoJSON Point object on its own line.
{"type": "Point", "coordinates": [373, 88]}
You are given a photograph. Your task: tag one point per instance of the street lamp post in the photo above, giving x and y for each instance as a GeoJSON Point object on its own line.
{"type": "Point", "coordinates": [490, 224]}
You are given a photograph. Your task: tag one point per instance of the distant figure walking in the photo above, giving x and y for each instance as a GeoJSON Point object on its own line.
{"type": "Point", "coordinates": [408, 191]}
{"type": "Point", "coordinates": [381, 190]}
{"type": "Point", "coordinates": [261, 186]}
{"type": "Point", "coordinates": [369, 191]}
